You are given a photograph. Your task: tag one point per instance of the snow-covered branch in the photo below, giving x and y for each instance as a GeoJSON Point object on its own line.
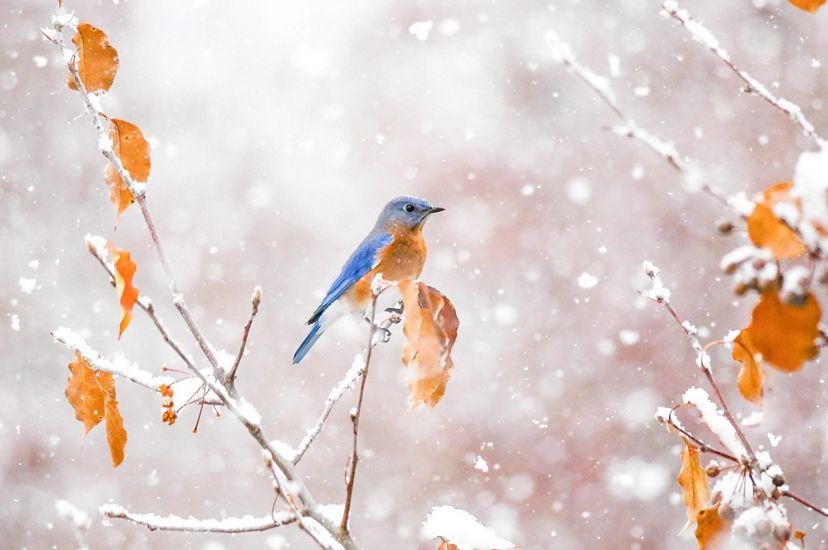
{"type": "Point", "coordinates": [118, 367]}
{"type": "Point", "coordinates": [218, 383]}
{"type": "Point", "coordinates": [661, 295]}
{"type": "Point", "coordinates": [693, 178]}
{"type": "Point", "coordinates": [752, 86]}
{"type": "Point", "coordinates": [347, 382]}
{"type": "Point", "coordinates": [154, 522]}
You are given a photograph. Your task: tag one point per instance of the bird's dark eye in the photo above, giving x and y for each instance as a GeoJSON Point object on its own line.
{"type": "Point", "coordinates": [409, 208]}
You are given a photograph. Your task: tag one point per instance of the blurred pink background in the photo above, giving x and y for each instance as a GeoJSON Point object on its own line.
{"type": "Point", "coordinates": [279, 129]}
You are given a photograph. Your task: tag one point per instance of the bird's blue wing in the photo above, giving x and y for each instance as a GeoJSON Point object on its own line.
{"type": "Point", "coordinates": [363, 260]}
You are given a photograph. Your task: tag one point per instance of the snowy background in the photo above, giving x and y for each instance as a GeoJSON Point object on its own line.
{"type": "Point", "coordinates": [279, 131]}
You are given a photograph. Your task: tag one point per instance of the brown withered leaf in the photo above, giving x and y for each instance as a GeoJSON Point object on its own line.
{"type": "Point", "coordinates": [808, 5]}
{"type": "Point", "coordinates": [97, 60]}
{"type": "Point", "coordinates": [127, 292]}
{"type": "Point", "coordinates": [767, 231]}
{"type": "Point", "coordinates": [784, 333]}
{"type": "Point", "coordinates": [116, 435]}
{"type": "Point", "coordinates": [445, 545]}
{"type": "Point", "coordinates": [93, 397]}
{"type": "Point", "coordinates": [751, 380]}
{"type": "Point", "coordinates": [693, 482]}
{"type": "Point", "coordinates": [84, 393]}
{"type": "Point", "coordinates": [711, 530]}
{"type": "Point", "coordinates": [431, 329]}
{"type": "Point", "coordinates": [129, 145]}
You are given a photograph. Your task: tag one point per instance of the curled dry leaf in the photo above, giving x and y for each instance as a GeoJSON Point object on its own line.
{"type": "Point", "coordinates": [127, 292]}
{"type": "Point", "coordinates": [751, 378]}
{"type": "Point", "coordinates": [431, 329]}
{"type": "Point", "coordinates": [784, 333]}
{"type": "Point", "coordinates": [767, 231]}
{"type": "Point", "coordinates": [712, 530]}
{"type": "Point", "coordinates": [693, 482]}
{"type": "Point", "coordinates": [92, 395]}
{"type": "Point", "coordinates": [97, 60]}
{"type": "Point", "coordinates": [808, 5]}
{"type": "Point", "coordinates": [134, 151]}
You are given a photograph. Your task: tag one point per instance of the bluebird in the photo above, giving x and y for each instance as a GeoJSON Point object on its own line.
{"type": "Point", "coordinates": [395, 247]}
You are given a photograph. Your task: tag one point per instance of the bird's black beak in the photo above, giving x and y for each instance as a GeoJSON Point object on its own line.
{"type": "Point", "coordinates": [434, 210]}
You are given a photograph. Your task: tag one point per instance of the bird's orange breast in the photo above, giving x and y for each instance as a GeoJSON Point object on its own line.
{"type": "Point", "coordinates": [402, 259]}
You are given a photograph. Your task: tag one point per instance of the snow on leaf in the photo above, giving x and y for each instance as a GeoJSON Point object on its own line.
{"type": "Point", "coordinates": [129, 144]}
{"type": "Point", "coordinates": [784, 333]}
{"type": "Point", "coordinates": [431, 329]}
{"type": "Point", "coordinates": [97, 60]}
{"type": "Point", "coordinates": [767, 231]}
{"type": "Point", "coordinates": [751, 378]}
{"type": "Point", "coordinates": [92, 396]}
{"type": "Point", "coordinates": [693, 482]}
{"type": "Point", "coordinates": [127, 292]}
{"type": "Point", "coordinates": [461, 529]}
{"type": "Point", "coordinates": [808, 5]}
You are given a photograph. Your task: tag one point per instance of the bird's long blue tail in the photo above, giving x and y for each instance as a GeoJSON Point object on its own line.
{"type": "Point", "coordinates": [307, 343]}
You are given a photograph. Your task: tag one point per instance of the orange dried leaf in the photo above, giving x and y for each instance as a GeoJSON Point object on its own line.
{"type": "Point", "coordinates": [127, 292]}
{"type": "Point", "coordinates": [431, 329]}
{"type": "Point", "coordinates": [711, 530]}
{"type": "Point", "coordinates": [693, 482]}
{"type": "Point", "coordinates": [445, 545]}
{"type": "Point", "coordinates": [751, 379]}
{"type": "Point", "coordinates": [808, 5]}
{"type": "Point", "coordinates": [97, 60]}
{"type": "Point", "coordinates": [116, 435]}
{"type": "Point", "coordinates": [129, 145]}
{"type": "Point", "coordinates": [92, 395]}
{"type": "Point", "coordinates": [767, 231]}
{"type": "Point", "coordinates": [84, 393]}
{"type": "Point", "coordinates": [784, 333]}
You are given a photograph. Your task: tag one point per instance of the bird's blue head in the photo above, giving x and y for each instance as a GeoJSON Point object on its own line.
{"type": "Point", "coordinates": [406, 212]}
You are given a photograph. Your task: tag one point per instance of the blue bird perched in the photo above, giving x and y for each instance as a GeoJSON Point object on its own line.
{"type": "Point", "coordinates": [395, 247]}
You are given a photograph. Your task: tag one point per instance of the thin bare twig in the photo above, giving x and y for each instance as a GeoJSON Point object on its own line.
{"type": "Point", "coordinates": [255, 300]}
{"type": "Point", "coordinates": [702, 445]}
{"type": "Point", "coordinates": [752, 86]}
{"type": "Point", "coordinates": [350, 476]}
{"type": "Point", "coordinates": [341, 387]}
{"type": "Point", "coordinates": [805, 503]}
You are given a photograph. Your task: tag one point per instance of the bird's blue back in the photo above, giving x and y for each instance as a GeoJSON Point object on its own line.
{"type": "Point", "coordinates": [363, 260]}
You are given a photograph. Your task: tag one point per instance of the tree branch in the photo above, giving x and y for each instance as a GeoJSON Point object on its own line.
{"type": "Point", "coordinates": [97, 247]}
{"type": "Point", "coordinates": [662, 296]}
{"type": "Point", "coordinates": [154, 522]}
{"type": "Point", "coordinates": [350, 476]}
{"type": "Point", "coordinates": [805, 503]}
{"type": "Point", "coordinates": [350, 378]}
{"type": "Point", "coordinates": [228, 394]}
{"type": "Point", "coordinates": [752, 86]}
{"type": "Point", "coordinates": [255, 300]}
{"type": "Point", "coordinates": [139, 193]}
{"type": "Point", "coordinates": [667, 151]}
